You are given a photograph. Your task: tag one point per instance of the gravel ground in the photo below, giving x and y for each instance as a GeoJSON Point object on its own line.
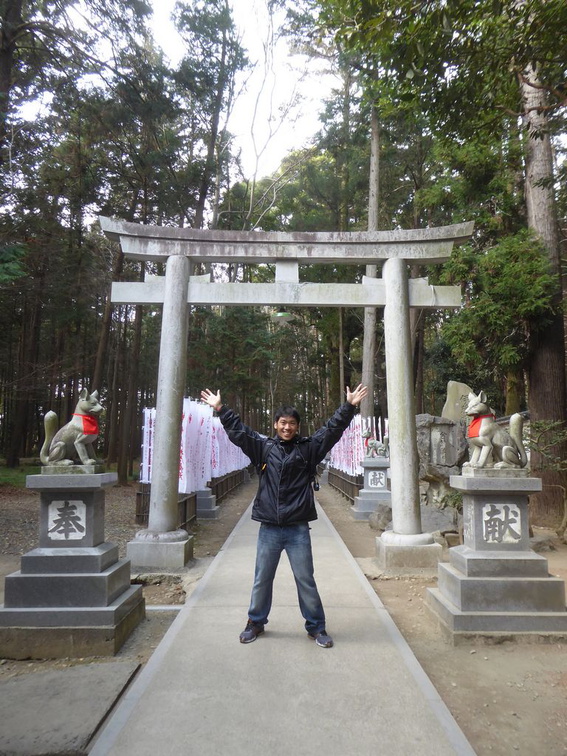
{"type": "Point", "coordinates": [19, 520]}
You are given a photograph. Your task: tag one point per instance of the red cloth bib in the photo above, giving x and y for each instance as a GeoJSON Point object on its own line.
{"type": "Point", "coordinates": [90, 424]}
{"type": "Point", "coordinates": [474, 427]}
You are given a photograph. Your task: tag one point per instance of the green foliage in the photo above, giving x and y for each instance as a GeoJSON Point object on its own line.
{"type": "Point", "coordinates": [441, 365]}
{"type": "Point", "coordinates": [206, 81]}
{"type": "Point", "coordinates": [475, 180]}
{"type": "Point", "coordinates": [214, 52]}
{"type": "Point", "coordinates": [547, 438]}
{"type": "Point", "coordinates": [453, 499]}
{"type": "Point", "coordinates": [44, 43]}
{"type": "Point", "coordinates": [457, 52]}
{"type": "Point", "coordinates": [11, 263]}
{"type": "Point", "coordinates": [230, 348]}
{"type": "Point", "coordinates": [508, 290]}
{"type": "Point", "coordinates": [16, 477]}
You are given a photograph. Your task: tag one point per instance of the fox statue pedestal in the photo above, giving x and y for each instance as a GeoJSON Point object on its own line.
{"type": "Point", "coordinates": [72, 596]}
{"type": "Point", "coordinates": [375, 489]}
{"type": "Point", "coordinates": [494, 584]}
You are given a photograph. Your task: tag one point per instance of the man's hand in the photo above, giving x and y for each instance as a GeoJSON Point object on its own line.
{"type": "Point", "coordinates": [213, 400]}
{"type": "Point", "coordinates": [356, 396]}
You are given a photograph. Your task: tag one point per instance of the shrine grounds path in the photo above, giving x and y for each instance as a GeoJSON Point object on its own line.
{"type": "Point", "coordinates": [204, 693]}
{"type": "Point", "coordinates": [507, 698]}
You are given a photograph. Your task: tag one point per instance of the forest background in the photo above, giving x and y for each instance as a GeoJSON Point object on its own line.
{"type": "Point", "coordinates": [444, 111]}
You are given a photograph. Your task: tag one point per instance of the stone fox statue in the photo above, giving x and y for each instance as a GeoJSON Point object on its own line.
{"type": "Point", "coordinates": [372, 447]}
{"type": "Point", "coordinates": [489, 441]}
{"type": "Point", "coordinates": [73, 442]}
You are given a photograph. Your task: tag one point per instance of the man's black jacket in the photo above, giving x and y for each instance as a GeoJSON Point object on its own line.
{"type": "Point", "coordinates": [285, 493]}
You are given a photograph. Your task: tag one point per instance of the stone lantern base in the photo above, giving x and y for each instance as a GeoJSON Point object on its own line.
{"type": "Point", "coordinates": [375, 489]}
{"type": "Point", "coordinates": [72, 596]}
{"type": "Point", "coordinates": [494, 584]}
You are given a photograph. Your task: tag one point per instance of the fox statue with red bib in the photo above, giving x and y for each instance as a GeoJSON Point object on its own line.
{"type": "Point", "coordinates": [73, 443]}
{"type": "Point", "coordinates": [491, 445]}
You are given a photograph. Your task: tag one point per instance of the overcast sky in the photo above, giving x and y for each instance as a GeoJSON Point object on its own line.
{"type": "Point", "coordinates": [275, 89]}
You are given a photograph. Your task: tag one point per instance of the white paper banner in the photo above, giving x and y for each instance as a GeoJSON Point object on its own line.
{"type": "Point", "coordinates": [348, 454]}
{"type": "Point", "coordinates": [206, 451]}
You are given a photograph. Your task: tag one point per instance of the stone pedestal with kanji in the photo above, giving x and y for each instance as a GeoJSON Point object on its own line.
{"type": "Point", "coordinates": [494, 584]}
{"type": "Point", "coordinates": [375, 489]}
{"type": "Point", "coordinates": [72, 596]}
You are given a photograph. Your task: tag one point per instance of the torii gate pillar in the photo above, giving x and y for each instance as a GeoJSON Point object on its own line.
{"type": "Point", "coordinates": [405, 547]}
{"type": "Point", "coordinates": [163, 544]}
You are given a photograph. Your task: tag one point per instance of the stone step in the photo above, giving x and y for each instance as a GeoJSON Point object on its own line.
{"type": "Point", "coordinates": [63, 616]}
{"type": "Point", "coordinates": [498, 563]}
{"type": "Point", "coordinates": [81, 559]}
{"type": "Point", "coordinates": [502, 594]}
{"type": "Point", "coordinates": [67, 590]}
{"type": "Point", "coordinates": [70, 632]}
{"type": "Point", "coordinates": [490, 623]}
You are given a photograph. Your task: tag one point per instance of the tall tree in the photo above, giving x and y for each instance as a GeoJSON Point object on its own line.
{"type": "Point", "coordinates": [369, 347]}
{"type": "Point", "coordinates": [207, 77]}
{"type": "Point", "coordinates": [41, 39]}
{"type": "Point", "coordinates": [451, 56]}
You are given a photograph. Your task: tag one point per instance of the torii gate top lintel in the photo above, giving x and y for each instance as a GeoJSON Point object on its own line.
{"type": "Point", "coordinates": [427, 245]}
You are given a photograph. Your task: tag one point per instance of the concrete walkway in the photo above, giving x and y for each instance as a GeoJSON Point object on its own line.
{"type": "Point", "coordinates": [203, 692]}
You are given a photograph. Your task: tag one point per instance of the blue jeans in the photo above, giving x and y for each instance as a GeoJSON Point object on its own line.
{"type": "Point", "coordinates": [295, 540]}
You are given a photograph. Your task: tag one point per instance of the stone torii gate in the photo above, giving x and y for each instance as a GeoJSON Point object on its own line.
{"type": "Point", "coordinates": [161, 544]}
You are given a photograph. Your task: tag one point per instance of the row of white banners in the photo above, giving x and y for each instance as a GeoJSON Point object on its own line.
{"type": "Point", "coordinates": [206, 451]}
{"type": "Point", "coordinates": [348, 454]}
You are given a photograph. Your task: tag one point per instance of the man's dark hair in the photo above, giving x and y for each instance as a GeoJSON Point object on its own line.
{"type": "Point", "coordinates": [287, 411]}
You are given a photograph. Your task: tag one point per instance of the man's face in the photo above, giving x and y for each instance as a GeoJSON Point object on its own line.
{"type": "Point", "coordinates": [286, 428]}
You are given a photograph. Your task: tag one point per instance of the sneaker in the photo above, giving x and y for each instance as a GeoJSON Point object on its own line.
{"type": "Point", "coordinates": [251, 632]}
{"type": "Point", "coordinates": [322, 639]}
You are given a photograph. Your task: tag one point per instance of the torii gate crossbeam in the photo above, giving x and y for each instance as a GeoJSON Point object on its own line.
{"type": "Point", "coordinates": [370, 293]}
{"type": "Point", "coordinates": [181, 247]}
